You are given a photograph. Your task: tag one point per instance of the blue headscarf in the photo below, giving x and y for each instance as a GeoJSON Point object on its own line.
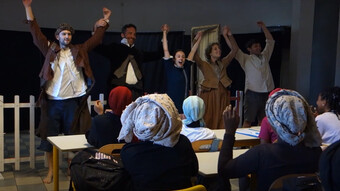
{"type": "Point", "coordinates": [193, 109]}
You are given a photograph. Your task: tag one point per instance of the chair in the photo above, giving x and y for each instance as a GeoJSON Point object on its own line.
{"type": "Point", "coordinates": [306, 182]}
{"type": "Point", "coordinates": [198, 187]}
{"type": "Point", "coordinates": [112, 149]}
{"type": "Point", "coordinates": [238, 104]}
{"type": "Point", "coordinates": [208, 145]}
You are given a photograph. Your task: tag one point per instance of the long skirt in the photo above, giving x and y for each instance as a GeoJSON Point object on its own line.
{"type": "Point", "coordinates": [216, 100]}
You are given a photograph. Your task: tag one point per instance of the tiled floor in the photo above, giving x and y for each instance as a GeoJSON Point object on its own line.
{"type": "Point", "coordinates": [28, 179]}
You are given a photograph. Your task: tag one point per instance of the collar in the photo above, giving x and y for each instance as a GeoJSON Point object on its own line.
{"type": "Point", "coordinates": [124, 41]}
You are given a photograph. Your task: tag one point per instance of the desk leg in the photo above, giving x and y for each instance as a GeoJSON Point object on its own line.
{"type": "Point", "coordinates": [56, 168]}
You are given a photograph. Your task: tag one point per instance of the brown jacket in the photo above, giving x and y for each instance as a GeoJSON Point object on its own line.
{"type": "Point", "coordinates": [210, 78]}
{"type": "Point", "coordinates": [80, 54]}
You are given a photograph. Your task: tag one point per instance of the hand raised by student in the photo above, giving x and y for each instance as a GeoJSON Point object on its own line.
{"type": "Point", "coordinates": [230, 119]}
{"type": "Point", "coordinates": [98, 107]}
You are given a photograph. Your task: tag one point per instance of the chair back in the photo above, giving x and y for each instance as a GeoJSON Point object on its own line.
{"type": "Point", "coordinates": [198, 187]}
{"type": "Point", "coordinates": [112, 149]}
{"type": "Point", "coordinates": [297, 182]}
{"type": "Point", "coordinates": [209, 145]}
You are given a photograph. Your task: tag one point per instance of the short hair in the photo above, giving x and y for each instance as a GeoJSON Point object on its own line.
{"type": "Point", "coordinates": [251, 42]}
{"type": "Point", "coordinates": [64, 26]}
{"type": "Point", "coordinates": [209, 48]}
{"type": "Point", "coordinates": [128, 26]}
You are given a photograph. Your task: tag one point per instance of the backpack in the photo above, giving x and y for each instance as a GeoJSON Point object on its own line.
{"type": "Point", "coordinates": [95, 171]}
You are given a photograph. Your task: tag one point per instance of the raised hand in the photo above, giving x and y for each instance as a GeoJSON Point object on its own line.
{"type": "Point", "coordinates": [226, 31]}
{"type": "Point", "coordinates": [260, 24]}
{"type": "Point", "coordinates": [230, 119]}
{"type": "Point", "coordinates": [165, 28]}
{"type": "Point", "coordinates": [27, 3]}
{"type": "Point", "coordinates": [106, 13]}
{"type": "Point", "coordinates": [98, 107]}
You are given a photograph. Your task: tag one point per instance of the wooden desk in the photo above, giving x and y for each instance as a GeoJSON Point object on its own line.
{"type": "Point", "coordinates": [240, 139]}
{"type": "Point", "coordinates": [207, 161]}
{"type": "Point", "coordinates": [65, 143]}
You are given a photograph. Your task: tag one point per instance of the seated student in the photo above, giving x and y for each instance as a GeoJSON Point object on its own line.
{"type": "Point", "coordinates": [162, 158]}
{"type": "Point", "coordinates": [296, 151]}
{"type": "Point", "coordinates": [330, 168]}
{"type": "Point", "coordinates": [267, 134]}
{"type": "Point", "coordinates": [328, 120]}
{"type": "Point", "coordinates": [106, 126]}
{"type": "Point", "coordinates": [193, 125]}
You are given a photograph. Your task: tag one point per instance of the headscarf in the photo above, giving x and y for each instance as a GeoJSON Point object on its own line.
{"type": "Point", "coordinates": [290, 116]}
{"type": "Point", "coordinates": [64, 26]}
{"type": "Point", "coordinates": [193, 109]}
{"type": "Point", "coordinates": [119, 98]}
{"type": "Point", "coordinates": [152, 117]}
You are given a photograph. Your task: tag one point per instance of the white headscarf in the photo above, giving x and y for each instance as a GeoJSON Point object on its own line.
{"type": "Point", "coordinates": [153, 118]}
{"type": "Point", "coordinates": [290, 116]}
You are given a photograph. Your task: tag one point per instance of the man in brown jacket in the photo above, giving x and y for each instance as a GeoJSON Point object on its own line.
{"type": "Point", "coordinates": [64, 75]}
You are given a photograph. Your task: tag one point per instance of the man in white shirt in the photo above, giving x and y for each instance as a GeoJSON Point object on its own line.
{"type": "Point", "coordinates": [259, 81]}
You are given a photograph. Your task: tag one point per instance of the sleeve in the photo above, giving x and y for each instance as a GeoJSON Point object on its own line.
{"type": "Point", "coordinates": [240, 166]}
{"type": "Point", "coordinates": [268, 49]}
{"type": "Point", "coordinates": [241, 57]}
{"type": "Point", "coordinates": [264, 131]}
{"type": "Point", "coordinates": [39, 39]}
{"type": "Point", "coordinates": [95, 39]}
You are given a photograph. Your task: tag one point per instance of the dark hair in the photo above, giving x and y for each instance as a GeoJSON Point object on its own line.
{"type": "Point", "coordinates": [251, 42]}
{"type": "Point", "coordinates": [332, 98]}
{"type": "Point", "coordinates": [209, 48]}
{"type": "Point", "coordinates": [178, 50]}
{"type": "Point", "coordinates": [64, 26]}
{"type": "Point", "coordinates": [128, 26]}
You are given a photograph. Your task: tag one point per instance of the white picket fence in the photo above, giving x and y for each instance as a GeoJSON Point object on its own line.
{"type": "Point", "coordinates": [17, 106]}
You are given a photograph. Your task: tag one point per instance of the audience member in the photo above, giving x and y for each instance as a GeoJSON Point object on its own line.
{"type": "Point", "coordinates": [259, 80]}
{"type": "Point", "coordinates": [215, 86]}
{"type": "Point", "coordinates": [162, 158]}
{"type": "Point", "coordinates": [193, 125]}
{"type": "Point", "coordinates": [330, 168]}
{"type": "Point", "coordinates": [267, 134]}
{"type": "Point", "coordinates": [296, 151]}
{"type": "Point", "coordinates": [64, 74]}
{"type": "Point", "coordinates": [106, 126]}
{"type": "Point", "coordinates": [328, 120]}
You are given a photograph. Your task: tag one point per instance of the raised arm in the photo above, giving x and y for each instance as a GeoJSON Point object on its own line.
{"type": "Point", "coordinates": [103, 21]}
{"type": "Point", "coordinates": [28, 9]}
{"type": "Point", "coordinates": [266, 32]}
{"type": "Point", "coordinates": [230, 40]}
{"type": "Point", "coordinates": [194, 48]}
{"type": "Point", "coordinates": [165, 29]}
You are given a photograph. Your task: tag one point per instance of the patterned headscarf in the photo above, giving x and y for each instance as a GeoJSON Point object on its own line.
{"type": "Point", "coordinates": [193, 109]}
{"type": "Point", "coordinates": [119, 98]}
{"type": "Point", "coordinates": [290, 116]}
{"type": "Point", "coordinates": [64, 26]}
{"type": "Point", "coordinates": [152, 117]}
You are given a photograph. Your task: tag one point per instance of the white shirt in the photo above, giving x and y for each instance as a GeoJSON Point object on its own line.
{"type": "Point", "coordinates": [197, 133]}
{"type": "Point", "coordinates": [329, 127]}
{"type": "Point", "coordinates": [257, 70]}
{"type": "Point", "coordinates": [130, 73]}
{"type": "Point", "coordinates": [68, 80]}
